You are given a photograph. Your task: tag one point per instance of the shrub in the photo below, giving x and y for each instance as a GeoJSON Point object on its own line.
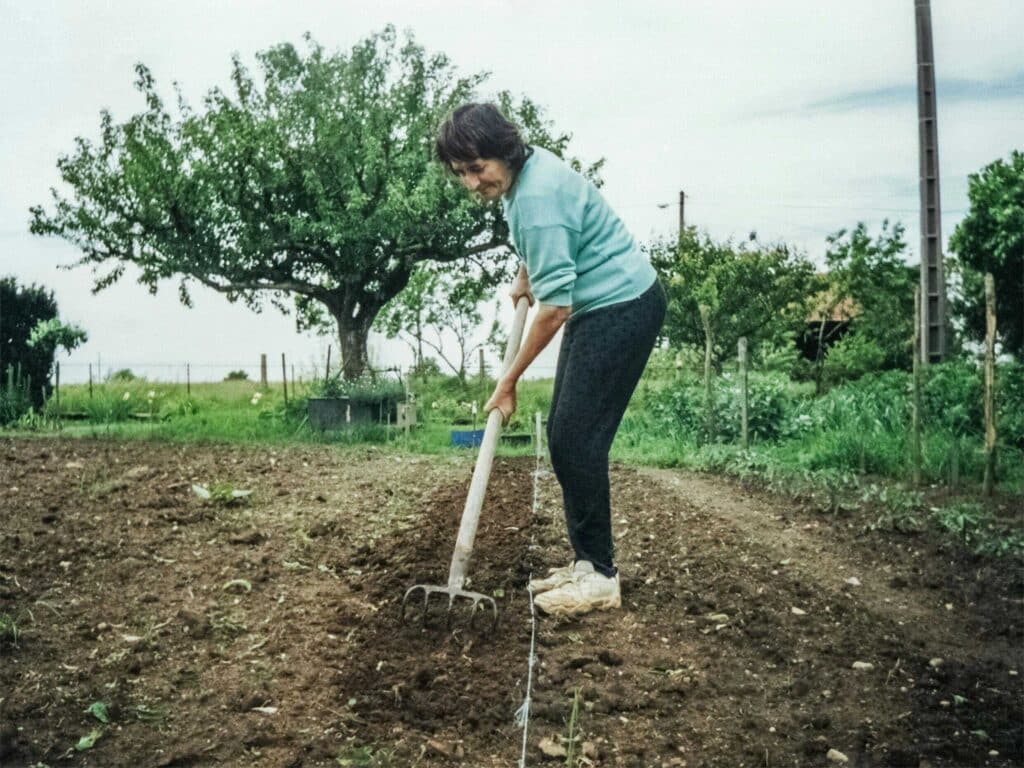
{"type": "Point", "coordinates": [237, 376]}
{"type": "Point", "coordinates": [853, 356]}
{"type": "Point", "coordinates": [124, 374]}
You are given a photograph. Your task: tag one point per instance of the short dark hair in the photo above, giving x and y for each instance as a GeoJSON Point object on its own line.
{"type": "Point", "coordinates": [480, 131]}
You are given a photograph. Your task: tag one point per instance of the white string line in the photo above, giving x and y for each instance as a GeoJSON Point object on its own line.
{"type": "Point", "coordinates": [522, 718]}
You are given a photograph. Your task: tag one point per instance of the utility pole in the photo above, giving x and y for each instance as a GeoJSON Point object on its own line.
{"type": "Point", "coordinates": [682, 212]}
{"type": "Point", "coordinates": [933, 281]}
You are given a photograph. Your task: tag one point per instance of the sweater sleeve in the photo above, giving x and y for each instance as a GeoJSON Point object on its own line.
{"type": "Point", "coordinates": [550, 254]}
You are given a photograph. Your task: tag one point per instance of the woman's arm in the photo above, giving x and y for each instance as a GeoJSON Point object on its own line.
{"type": "Point", "coordinates": [544, 327]}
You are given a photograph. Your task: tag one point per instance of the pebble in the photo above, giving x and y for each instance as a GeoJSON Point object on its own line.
{"type": "Point", "coordinates": [836, 756]}
{"type": "Point", "coordinates": [863, 666]}
{"type": "Point", "coordinates": [936, 662]}
{"type": "Point", "coordinates": [798, 611]}
{"type": "Point", "coordinates": [551, 748]}
{"type": "Point", "coordinates": [853, 581]}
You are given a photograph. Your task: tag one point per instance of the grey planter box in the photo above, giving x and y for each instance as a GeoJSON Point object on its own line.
{"type": "Point", "coordinates": [327, 413]}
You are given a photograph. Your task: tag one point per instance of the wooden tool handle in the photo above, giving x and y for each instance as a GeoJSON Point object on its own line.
{"type": "Point", "coordinates": [484, 461]}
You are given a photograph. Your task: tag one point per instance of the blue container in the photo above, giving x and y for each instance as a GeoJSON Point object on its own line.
{"type": "Point", "coordinates": [467, 438]}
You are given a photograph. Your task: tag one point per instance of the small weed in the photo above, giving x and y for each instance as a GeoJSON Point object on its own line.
{"type": "Point", "coordinates": [365, 756]}
{"type": "Point", "coordinates": [899, 509]}
{"type": "Point", "coordinates": [9, 632]}
{"type": "Point", "coordinates": [573, 737]}
{"type": "Point", "coordinates": [222, 494]}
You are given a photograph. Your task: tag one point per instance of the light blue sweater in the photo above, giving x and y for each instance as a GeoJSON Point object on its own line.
{"type": "Point", "coordinates": [577, 251]}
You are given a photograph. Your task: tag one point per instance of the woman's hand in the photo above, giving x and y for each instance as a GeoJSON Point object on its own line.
{"type": "Point", "coordinates": [521, 287]}
{"type": "Point", "coordinates": [504, 399]}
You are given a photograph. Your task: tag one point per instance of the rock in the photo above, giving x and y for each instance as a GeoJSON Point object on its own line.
{"type": "Point", "coordinates": [590, 750]}
{"type": "Point", "coordinates": [835, 756]}
{"type": "Point", "coordinates": [863, 666]}
{"type": "Point", "coordinates": [936, 663]}
{"type": "Point", "coordinates": [137, 473]}
{"type": "Point", "coordinates": [610, 658]}
{"type": "Point", "coordinates": [853, 581]}
{"type": "Point", "coordinates": [798, 611]}
{"type": "Point", "coordinates": [551, 748]}
{"type": "Point", "coordinates": [440, 747]}
{"type": "Point", "coordinates": [717, 618]}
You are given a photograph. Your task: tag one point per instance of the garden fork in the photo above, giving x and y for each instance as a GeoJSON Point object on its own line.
{"type": "Point", "coordinates": [474, 502]}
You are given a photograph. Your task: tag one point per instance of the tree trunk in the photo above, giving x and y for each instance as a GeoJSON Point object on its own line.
{"type": "Point", "coordinates": [352, 335]}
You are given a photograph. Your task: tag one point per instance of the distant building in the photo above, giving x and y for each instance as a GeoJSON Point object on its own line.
{"type": "Point", "coordinates": [836, 315]}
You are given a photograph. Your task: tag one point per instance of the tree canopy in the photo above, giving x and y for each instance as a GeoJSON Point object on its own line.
{"type": "Point", "coordinates": [313, 187]}
{"type": "Point", "coordinates": [751, 289]}
{"type": "Point", "coordinates": [991, 239]}
{"type": "Point", "coordinates": [874, 276]}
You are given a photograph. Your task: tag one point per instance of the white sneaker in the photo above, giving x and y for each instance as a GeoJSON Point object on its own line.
{"type": "Point", "coordinates": [557, 577]}
{"type": "Point", "coordinates": [586, 591]}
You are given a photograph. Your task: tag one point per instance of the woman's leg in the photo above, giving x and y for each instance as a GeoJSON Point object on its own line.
{"type": "Point", "coordinates": [605, 356]}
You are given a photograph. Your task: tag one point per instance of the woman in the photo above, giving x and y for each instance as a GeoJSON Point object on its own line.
{"type": "Point", "coordinates": [589, 276]}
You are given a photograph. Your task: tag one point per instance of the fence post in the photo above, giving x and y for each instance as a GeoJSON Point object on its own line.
{"type": "Point", "coordinates": [709, 405]}
{"type": "Point", "coordinates": [284, 378]}
{"type": "Point", "coordinates": [263, 370]}
{"type": "Point", "coordinates": [743, 392]}
{"type": "Point", "coordinates": [90, 381]}
{"type": "Point", "coordinates": [990, 382]}
{"type": "Point", "coordinates": [188, 380]}
{"type": "Point", "coordinates": [915, 411]}
{"type": "Point", "coordinates": [327, 368]}
{"type": "Point", "coordinates": [57, 391]}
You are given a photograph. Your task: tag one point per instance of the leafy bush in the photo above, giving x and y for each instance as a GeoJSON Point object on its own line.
{"type": "Point", "coordinates": [1010, 403]}
{"type": "Point", "coordinates": [853, 356]}
{"type": "Point", "coordinates": [237, 376]}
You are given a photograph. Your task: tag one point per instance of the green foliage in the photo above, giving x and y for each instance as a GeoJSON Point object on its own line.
{"type": "Point", "coordinates": [852, 356]}
{"type": "Point", "coordinates": [123, 375]}
{"type": "Point", "coordinates": [436, 303]}
{"type": "Point", "coordinates": [365, 389]}
{"type": "Point", "coordinates": [237, 376]}
{"type": "Point", "coordinates": [53, 334]}
{"type": "Point", "coordinates": [314, 183]}
{"type": "Point", "coordinates": [22, 308]}
{"type": "Point", "coordinates": [875, 277]}
{"type": "Point", "coordinates": [753, 290]}
{"type": "Point", "coordinates": [978, 529]}
{"type": "Point", "coordinates": [991, 239]}
{"type": "Point", "coordinates": [8, 630]}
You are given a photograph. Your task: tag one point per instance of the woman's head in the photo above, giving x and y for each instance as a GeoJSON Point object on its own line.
{"type": "Point", "coordinates": [482, 147]}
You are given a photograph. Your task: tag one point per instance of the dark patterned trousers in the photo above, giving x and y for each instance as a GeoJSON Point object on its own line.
{"type": "Point", "coordinates": [602, 356]}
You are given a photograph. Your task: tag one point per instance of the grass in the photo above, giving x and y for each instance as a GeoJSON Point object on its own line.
{"type": "Point", "coordinates": [8, 630]}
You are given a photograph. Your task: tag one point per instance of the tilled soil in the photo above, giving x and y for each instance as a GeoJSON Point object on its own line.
{"type": "Point", "coordinates": [266, 631]}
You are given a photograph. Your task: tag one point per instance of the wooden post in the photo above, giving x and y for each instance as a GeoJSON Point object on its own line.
{"type": "Point", "coordinates": [990, 385]}
{"type": "Point", "coordinates": [327, 368]}
{"type": "Point", "coordinates": [293, 379]}
{"type": "Point", "coordinates": [263, 370]}
{"type": "Point", "coordinates": [709, 405]}
{"type": "Point", "coordinates": [915, 412]}
{"type": "Point", "coordinates": [682, 212]}
{"type": "Point", "coordinates": [57, 391]}
{"type": "Point", "coordinates": [743, 393]}
{"type": "Point", "coordinates": [284, 378]}
{"type": "Point", "coordinates": [90, 381]}
{"type": "Point", "coordinates": [188, 380]}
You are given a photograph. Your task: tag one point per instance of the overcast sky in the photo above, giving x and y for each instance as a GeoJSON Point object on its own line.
{"type": "Point", "coordinates": [792, 118]}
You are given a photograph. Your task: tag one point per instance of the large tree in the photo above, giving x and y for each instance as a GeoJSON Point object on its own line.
{"type": "Point", "coordinates": [314, 184]}
{"type": "Point", "coordinates": [991, 239]}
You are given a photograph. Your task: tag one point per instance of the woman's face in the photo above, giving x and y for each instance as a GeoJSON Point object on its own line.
{"type": "Point", "coordinates": [488, 179]}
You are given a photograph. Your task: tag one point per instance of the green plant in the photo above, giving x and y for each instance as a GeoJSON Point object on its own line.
{"type": "Point", "coordinates": [365, 756]}
{"type": "Point", "coordinates": [898, 508]}
{"type": "Point", "coordinates": [573, 737]}
{"type": "Point", "coordinates": [123, 375]}
{"type": "Point", "coordinates": [8, 630]}
{"type": "Point", "coordinates": [237, 376]}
